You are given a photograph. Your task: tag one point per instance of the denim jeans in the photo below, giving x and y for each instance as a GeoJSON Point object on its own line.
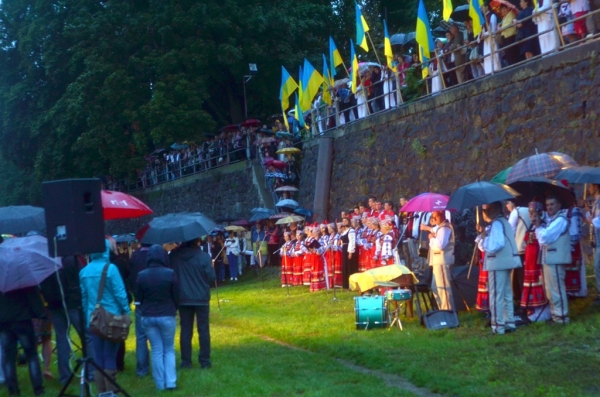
{"type": "Point", "coordinates": [141, 346]}
{"type": "Point", "coordinates": [233, 267]}
{"type": "Point", "coordinates": [105, 353]}
{"type": "Point", "coordinates": [23, 333]}
{"type": "Point", "coordinates": [60, 323]}
{"type": "Point", "coordinates": [161, 334]}
{"type": "Point", "coordinates": [186, 317]}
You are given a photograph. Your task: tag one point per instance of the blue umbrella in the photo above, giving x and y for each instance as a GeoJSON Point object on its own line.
{"type": "Point", "coordinates": [303, 212]}
{"type": "Point", "coordinates": [262, 210]}
{"type": "Point", "coordinates": [289, 203]}
{"type": "Point", "coordinates": [179, 146]}
{"type": "Point", "coordinates": [260, 216]}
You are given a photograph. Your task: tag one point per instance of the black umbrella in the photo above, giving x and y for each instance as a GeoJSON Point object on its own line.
{"type": "Point", "coordinates": [583, 174]}
{"type": "Point", "coordinates": [540, 188]}
{"type": "Point", "coordinates": [124, 238]}
{"type": "Point", "coordinates": [460, 13]}
{"type": "Point", "coordinates": [19, 219]}
{"type": "Point", "coordinates": [403, 39]}
{"type": "Point", "coordinates": [179, 227]}
{"type": "Point", "coordinates": [479, 193]}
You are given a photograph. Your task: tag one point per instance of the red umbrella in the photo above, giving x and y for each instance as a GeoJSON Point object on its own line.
{"type": "Point", "coordinates": [230, 128]}
{"type": "Point", "coordinates": [426, 202]}
{"type": "Point", "coordinates": [496, 4]}
{"type": "Point", "coordinates": [268, 162]}
{"type": "Point", "coordinates": [279, 164]}
{"type": "Point", "coordinates": [251, 123]}
{"type": "Point", "coordinates": [119, 205]}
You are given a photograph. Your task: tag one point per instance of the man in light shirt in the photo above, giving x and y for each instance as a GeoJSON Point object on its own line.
{"type": "Point", "coordinates": [441, 257]}
{"type": "Point", "coordinates": [519, 222]}
{"type": "Point", "coordinates": [555, 242]}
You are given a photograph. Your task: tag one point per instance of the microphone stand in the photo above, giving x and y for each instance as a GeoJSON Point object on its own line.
{"type": "Point", "coordinates": [216, 287]}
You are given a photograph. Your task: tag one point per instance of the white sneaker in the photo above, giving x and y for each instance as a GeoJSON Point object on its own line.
{"type": "Point", "coordinates": [231, 279]}
{"type": "Point", "coordinates": [235, 279]}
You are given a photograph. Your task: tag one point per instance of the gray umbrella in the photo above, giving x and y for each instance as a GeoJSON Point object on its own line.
{"type": "Point", "coordinates": [176, 228]}
{"type": "Point", "coordinates": [460, 13]}
{"type": "Point", "coordinates": [124, 238]}
{"type": "Point", "coordinates": [583, 174]}
{"type": "Point", "coordinates": [403, 38]}
{"type": "Point", "coordinates": [21, 219]}
{"type": "Point", "coordinates": [24, 262]}
{"type": "Point", "coordinates": [479, 193]}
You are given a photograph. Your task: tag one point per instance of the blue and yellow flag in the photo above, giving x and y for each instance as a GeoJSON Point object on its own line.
{"type": "Point", "coordinates": [424, 38]}
{"type": "Point", "coordinates": [327, 82]}
{"type": "Point", "coordinates": [334, 55]}
{"type": "Point", "coordinates": [447, 9]}
{"type": "Point", "coordinates": [288, 85]}
{"type": "Point", "coordinates": [354, 66]}
{"type": "Point", "coordinates": [387, 46]}
{"type": "Point", "coordinates": [476, 15]}
{"type": "Point", "coordinates": [311, 82]}
{"type": "Point", "coordinates": [298, 114]}
{"type": "Point", "coordinates": [361, 29]}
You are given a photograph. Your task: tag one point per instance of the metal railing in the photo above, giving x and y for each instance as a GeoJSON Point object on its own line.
{"type": "Point", "coordinates": [328, 117]}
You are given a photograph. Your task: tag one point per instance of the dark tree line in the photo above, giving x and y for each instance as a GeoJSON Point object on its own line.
{"type": "Point", "coordinates": [87, 88]}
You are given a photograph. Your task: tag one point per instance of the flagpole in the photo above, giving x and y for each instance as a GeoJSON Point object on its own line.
{"type": "Point", "coordinates": [373, 46]}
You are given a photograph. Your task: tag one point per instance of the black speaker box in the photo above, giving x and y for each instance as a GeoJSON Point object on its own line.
{"type": "Point", "coordinates": [440, 319]}
{"type": "Point", "coordinates": [74, 216]}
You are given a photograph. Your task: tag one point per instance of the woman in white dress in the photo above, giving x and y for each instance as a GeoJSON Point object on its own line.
{"type": "Point", "coordinates": [544, 22]}
{"type": "Point", "coordinates": [361, 100]}
{"type": "Point", "coordinates": [491, 60]}
{"type": "Point", "coordinates": [388, 88]}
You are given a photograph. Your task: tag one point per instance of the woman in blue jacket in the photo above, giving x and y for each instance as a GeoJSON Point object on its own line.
{"type": "Point", "coordinates": [114, 300]}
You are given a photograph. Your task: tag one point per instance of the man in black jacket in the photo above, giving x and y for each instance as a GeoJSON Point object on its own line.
{"type": "Point", "coordinates": [17, 308]}
{"type": "Point", "coordinates": [138, 264]}
{"type": "Point", "coordinates": [61, 319]}
{"type": "Point", "coordinates": [195, 274]}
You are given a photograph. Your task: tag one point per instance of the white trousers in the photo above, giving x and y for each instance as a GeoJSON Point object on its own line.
{"type": "Point", "coordinates": [501, 301]}
{"type": "Point", "coordinates": [554, 286]}
{"type": "Point", "coordinates": [442, 287]}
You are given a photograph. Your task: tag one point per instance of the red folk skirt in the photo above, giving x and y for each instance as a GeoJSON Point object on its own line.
{"type": "Point", "coordinates": [287, 265]}
{"type": "Point", "coordinates": [297, 270]}
{"type": "Point", "coordinates": [572, 272]}
{"type": "Point", "coordinates": [483, 292]}
{"type": "Point", "coordinates": [373, 263]}
{"type": "Point", "coordinates": [317, 274]}
{"type": "Point", "coordinates": [362, 259]}
{"type": "Point", "coordinates": [533, 294]}
{"type": "Point", "coordinates": [306, 268]}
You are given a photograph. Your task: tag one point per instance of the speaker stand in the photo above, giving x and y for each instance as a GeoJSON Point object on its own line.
{"type": "Point", "coordinates": [84, 389]}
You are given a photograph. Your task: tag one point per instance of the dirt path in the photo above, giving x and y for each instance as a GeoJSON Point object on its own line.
{"type": "Point", "coordinates": [389, 379]}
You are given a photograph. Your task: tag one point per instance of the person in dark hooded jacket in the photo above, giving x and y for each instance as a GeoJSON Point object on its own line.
{"type": "Point", "coordinates": [157, 292]}
{"type": "Point", "coordinates": [195, 274]}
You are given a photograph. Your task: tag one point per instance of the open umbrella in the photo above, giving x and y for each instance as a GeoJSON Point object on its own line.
{"type": "Point", "coordinates": [241, 222]}
{"type": "Point", "coordinates": [284, 135]}
{"type": "Point", "coordinates": [446, 25]}
{"type": "Point", "coordinates": [427, 202]}
{"type": "Point", "coordinates": [230, 128]}
{"type": "Point", "coordinates": [261, 209]}
{"type": "Point", "coordinates": [251, 123]}
{"type": "Point", "coordinates": [460, 13]}
{"type": "Point", "coordinates": [403, 39]}
{"type": "Point", "coordinates": [24, 262]}
{"type": "Point", "coordinates": [536, 187]}
{"type": "Point", "coordinates": [179, 146]}
{"type": "Point", "coordinates": [281, 215]}
{"type": "Point", "coordinates": [288, 203]}
{"type": "Point", "coordinates": [479, 193]}
{"type": "Point", "coordinates": [289, 150]}
{"type": "Point", "coordinates": [158, 152]}
{"type": "Point", "coordinates": [289, 219]}
{"type": "Point", "coordinates": [303, 212]}
{"type": "Point", "coordinates": [17, 219]}
{"type": "Point", "coordinates": [501, 176]}
{"type": "Point", "coordinates": [286, 189]}
{"type": "Point", "coordinates": [545, 165]}
{"type": "Point", "coordinates": [235, 228]}
{"type": "Point", "coordinates": [583, 174]}
{"type": "Point", "coordinates": [259, 216]}
{"type": "Point", "coordinates": [279, 164]}
{"type": "Point", "coordinates": [496, 4]}
{"type": "Point", "coordinates": [118, 205]}
{"type": "Point", "coordinates": [224, 220]}
{"type": "Point", "coordinates": [177, 227]}
{"type": "Point", "coordinates": [124, 238]}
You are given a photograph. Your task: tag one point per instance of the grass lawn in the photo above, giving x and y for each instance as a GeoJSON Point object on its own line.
{"type": "Point", "coordinates": [265, 343]}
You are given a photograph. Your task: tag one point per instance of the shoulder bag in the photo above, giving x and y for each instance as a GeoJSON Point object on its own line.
{"type": "Point", "coordinates": [104, 324]}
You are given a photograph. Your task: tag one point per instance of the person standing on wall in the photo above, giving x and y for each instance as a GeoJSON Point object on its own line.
{"type": "Point", "coordinates": [196, 274]}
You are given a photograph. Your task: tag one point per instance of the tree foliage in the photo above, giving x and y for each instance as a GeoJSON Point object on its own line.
{"type": "Point", "coordinates": [89, 88]}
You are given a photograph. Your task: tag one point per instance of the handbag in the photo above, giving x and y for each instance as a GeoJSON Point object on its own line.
{"type": "Point", "coordinates": [104, 324]}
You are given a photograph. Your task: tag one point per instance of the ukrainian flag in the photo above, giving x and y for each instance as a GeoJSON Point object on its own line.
{"type": "Point", "coordinates": [311, 82]}
{"type": "Point", "coordinates": [361, 29]}
{"type": "Point", "coordinates": [387, 46]}
{"type": "Point", "coordinates": [327, 82]}
{"type": "Point", "coordinates": [476, 15]}
{"type": "Point", "coordinates": [447, 9]}
{"type": "Point", "coordinates": [354, 66]}
{"type": "Point", "coordinates": [334, 55]}
{"type": "Point", "coordinates": [424, 38]}
{"type": "Point", "coordinates": [288, 86]}
{"type": "Point", "coordinates": [298, 115]}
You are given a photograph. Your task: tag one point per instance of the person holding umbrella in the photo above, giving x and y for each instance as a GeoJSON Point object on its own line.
{"type": "Point", "coordinates": [555, 241]}
{"type": "Point", "coordinates": [441, 257]}
{"type": "Point", "coordinates": [501, 256]}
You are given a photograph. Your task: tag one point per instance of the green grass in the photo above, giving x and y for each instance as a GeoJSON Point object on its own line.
{"type": "Point", "coordinates": [265, 343]}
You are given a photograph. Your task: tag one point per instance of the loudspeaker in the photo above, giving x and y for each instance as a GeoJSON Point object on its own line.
{"type": "Point", "coordinates": [74, 216]}
{"type": "Point", "coordinates": [464, 290]}
{"type": "Point", "coordinates": [440, 319]}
